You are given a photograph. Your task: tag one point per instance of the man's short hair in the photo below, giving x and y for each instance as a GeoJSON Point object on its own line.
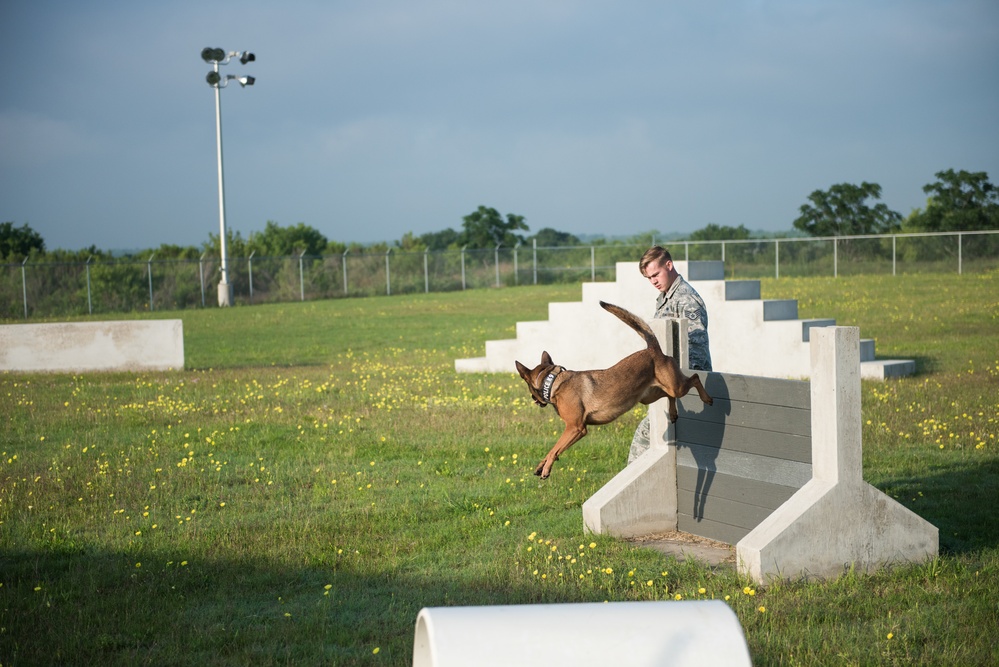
{"type": "Point", "coordinates": [654, 255]}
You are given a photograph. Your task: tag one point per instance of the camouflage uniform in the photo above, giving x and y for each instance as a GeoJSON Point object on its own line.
{"type": "Point", "coordinates": [680, 301]}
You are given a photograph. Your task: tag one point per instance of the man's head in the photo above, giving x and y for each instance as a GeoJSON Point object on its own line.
{"type": "Point", "coordinates": [657, 265]}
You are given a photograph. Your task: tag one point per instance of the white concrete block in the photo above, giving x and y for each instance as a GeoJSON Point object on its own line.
{"type": "Point", "coordinates": [128, 345]}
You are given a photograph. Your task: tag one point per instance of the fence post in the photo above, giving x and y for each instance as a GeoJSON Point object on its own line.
{"type": "Point", "coordinates": [24, 288]}
{"type": "Point", "coordinates": [535, 261]}
{"type": "Point", "coordinates": [149, 270]}
{"type": "Point", "coordinates": [426, 274]}
{"type": "Point", "coordinates": [388, 279]}
{"type": "Point", "coordinates": [893, 237]}
{"type": "Point", "coordinates": [835, 258]}
{"type": "Point", "coordinates": [516, 277]}
{"type": "Point", "coordinates": [777, 258]}
{"type": "Point", "coordinates": [497, 263]}
{"type": "Point", "coordinates": [201, 272]}
{"type": "Point", "coordinates": [90, 306]}
{"type": "Point", "coordinates": [463, 267]}
{"type": "Point", "coordinates": [959, 258]}
{"type": "Point", "coordinates": [249, 270]}
{"type": "Point", "coordinates": [301, 276]}
{"type": "Point", "coordinates": [593, 265]}
{"type": "Point", "coordinates": [345, 271]}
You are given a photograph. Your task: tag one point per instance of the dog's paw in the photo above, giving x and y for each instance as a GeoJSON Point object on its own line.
{"type": "Point", "coordinates": [710, 401]}
{"type": "Point", "coordinates": [543, 470]}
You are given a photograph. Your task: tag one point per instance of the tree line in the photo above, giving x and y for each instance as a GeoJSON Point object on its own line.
{"type": "Point", "coordinates": [957, 201]}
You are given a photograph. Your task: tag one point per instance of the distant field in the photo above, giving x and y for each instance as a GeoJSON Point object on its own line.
{"type": "Point", "coordinates": [318, 473]}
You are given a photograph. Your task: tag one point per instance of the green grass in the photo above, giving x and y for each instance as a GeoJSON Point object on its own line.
{"type": "Point", "coordinates": [319, 473]}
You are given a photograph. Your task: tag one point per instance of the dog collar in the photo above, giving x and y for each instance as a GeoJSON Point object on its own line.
{"type": "Point", "coordinates": [546, 386]}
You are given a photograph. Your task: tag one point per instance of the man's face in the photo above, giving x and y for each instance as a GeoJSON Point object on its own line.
{"type": "Point", "coordinates": [660, 274]}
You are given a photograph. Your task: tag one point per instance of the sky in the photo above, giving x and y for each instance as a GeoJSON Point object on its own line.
{"type": "Point", "coordinates": [370, 119]}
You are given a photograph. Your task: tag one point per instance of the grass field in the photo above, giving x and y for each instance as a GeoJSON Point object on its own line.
{"type": "Point", "coordinates": [318, 473]}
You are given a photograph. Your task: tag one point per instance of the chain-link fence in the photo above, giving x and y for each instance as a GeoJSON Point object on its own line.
{"type": "Point", "coordinates": [60, 289]}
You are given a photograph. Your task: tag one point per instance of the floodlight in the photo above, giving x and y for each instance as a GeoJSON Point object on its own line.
{"type": "Point", "coordinates": [210, 55]}
{"type": "Point", "coordinates": [247, 57]}
{"type": "Point", "coordinates": [244, 80]}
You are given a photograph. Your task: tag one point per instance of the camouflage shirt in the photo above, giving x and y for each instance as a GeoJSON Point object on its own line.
{"type": "Point", "coordinates": [682, 300]}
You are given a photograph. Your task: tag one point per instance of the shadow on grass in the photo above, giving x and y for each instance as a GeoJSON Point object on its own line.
{"type": "Point", "coordinates": [85, 608]}
{"type": "Point", "coordinates": [959, 499]}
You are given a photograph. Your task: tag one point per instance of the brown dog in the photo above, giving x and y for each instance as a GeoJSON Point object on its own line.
{"type": "Point", "coordinates": [599, 397]}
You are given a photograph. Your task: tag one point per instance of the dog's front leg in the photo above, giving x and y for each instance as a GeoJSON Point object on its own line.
{"type": "Point", "coordinates": [569, 437]}
{"type": "Point", "coordinates": [672, 410]}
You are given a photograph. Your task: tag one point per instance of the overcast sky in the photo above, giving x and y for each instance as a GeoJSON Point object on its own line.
{"type": "Point", "coordinates": [370, 119]}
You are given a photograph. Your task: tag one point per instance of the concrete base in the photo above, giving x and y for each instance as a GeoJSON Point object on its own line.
{"type": "Point", "coordinates": [682, 634]}
{"type": "Point", "coordinates": [92, 346]}
{"type": "Point", "coordinates": [639, 500]}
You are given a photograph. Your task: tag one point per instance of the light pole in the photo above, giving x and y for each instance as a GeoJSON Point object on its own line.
{"type": "Point", "coordinates": [218, 57]}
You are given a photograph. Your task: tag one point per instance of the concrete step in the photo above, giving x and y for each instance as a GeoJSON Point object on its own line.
{"type": "Point", "coordinates": [866, 349]}
{"type": "Point", "coordinates": [780, 309]}
{"type": "Point", "coordinates": [742, 290]}
{"type": "Point", "coordinates": [883, 369]}
{"type": "Point", "coordinates": [712, 270]}
{"type": "Point", "coordinates": [807, 325]}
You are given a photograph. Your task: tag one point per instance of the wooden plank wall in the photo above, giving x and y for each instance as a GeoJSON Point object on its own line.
{"type": "Point", "coordinates": [741, 458]}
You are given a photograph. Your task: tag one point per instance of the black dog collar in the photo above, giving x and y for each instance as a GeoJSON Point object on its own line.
{"type": "Point", "coordinates": [546, 386]}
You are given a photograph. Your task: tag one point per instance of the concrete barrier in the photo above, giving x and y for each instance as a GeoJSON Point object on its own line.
{"type": "Point", "coordinates": [773, 467]}
{"type": "Point", "coordinates": [92, 346]}
{"type": "Point", "coordinates": [637, 634]}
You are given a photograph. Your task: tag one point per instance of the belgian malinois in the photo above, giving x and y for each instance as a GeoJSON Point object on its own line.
{"type": "Point", "coordinates": [601, 396]}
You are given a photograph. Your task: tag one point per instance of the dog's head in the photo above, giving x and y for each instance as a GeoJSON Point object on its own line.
{"type": "Point", "coordinates": [535, 378]}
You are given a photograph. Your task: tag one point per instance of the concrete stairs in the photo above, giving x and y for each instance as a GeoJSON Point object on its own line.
{"type": "Point", "coordinates": [749, 335]}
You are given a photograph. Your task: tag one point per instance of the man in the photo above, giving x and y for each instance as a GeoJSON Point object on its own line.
{"type": "Point", "coordinates": [677, 299]}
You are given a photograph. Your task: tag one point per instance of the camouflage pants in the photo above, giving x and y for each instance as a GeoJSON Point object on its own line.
{"type": "Point", "coordinates": [641, 442]}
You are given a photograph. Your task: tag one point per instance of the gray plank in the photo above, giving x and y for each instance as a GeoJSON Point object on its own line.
{"type": "Point", "coordinates": [717, 509]}
{"type": "Point", "coordinates": [749, 440]}
{"type": "Point", "coordinates": [739, 489]}
{"type": "Point", "coordinates": [763, 416]}
{"type": "Point", "coordinates": [771, 391]}
{"type": "Point", "coordinates": [710, 529]}
{"type": "Point", "coordinates": [740, 464]}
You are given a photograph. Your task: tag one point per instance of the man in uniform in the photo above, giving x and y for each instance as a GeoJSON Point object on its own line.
{"type": "Point", "coordinates": [677, 299]}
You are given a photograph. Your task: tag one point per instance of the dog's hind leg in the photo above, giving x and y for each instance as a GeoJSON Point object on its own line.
{"type": "Point", "coordinates": [694, 381]}
{"type": "Point", "coordinates": [569, 437]}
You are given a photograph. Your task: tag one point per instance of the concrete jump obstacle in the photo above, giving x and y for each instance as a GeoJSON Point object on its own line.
{"type": "Point", "coordinates": [637, 634]}
{"type": "Point", "coordinates": [774, 467]}
{"type": "Point", "coordinates": [749, 335]}
{"type": "Point", "coordinates": [92, 346]}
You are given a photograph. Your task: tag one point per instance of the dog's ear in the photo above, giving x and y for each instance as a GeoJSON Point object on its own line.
{"type": "Point", "coordinates": [522, 369]}
{"type": "Point", "coordinates": [547, 359]}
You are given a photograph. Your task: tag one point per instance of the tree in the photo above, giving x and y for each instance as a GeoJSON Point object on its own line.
{"type": "Point", "coordinates": [551, 238]}
{"type": "Point", "coordinates": [19, 242]}
{"type": "Point", "coordinates": [715, 232]}
{"type": "Point", "coordinates": [842, 211]}
{"type": "Point", "coordinates": [278, 241]}
{"type": "Point", "coordinates": [485, 228]}
{"type": "Point", "coordinates": [440, 240]}
{"type": "Point", "coordinates": [959, 202]}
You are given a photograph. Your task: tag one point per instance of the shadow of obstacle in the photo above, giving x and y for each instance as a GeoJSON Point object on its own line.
{"type": "Point", "coordinates": [958, 498]}
{"type": "Point", "coordinates": [705, 451]}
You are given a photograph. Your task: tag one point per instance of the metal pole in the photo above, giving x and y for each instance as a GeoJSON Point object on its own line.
{"type": "Point", "coordinates": [225, 290]}
{"type": "Point", "coordinates": [893, 237]}
{"type": "Point", "coordinates": [497, 263]}
{"type": "Point", "coordinates": [388, 280]}
{"type": "Point", "coordinates": [959, 258]}
{"type": "Point", "coordinates": [535, 261]}
{"type": "Point", "coordinates": [90, 307]}
{"type": "Point", "coordinates": [301, 277]}
{"type": "Point", "coordinates": [463, 267]}
{"type": "Point", "coordinates": [149, 270]}
{"type": "Point", "coordinates": [24, 288]}
{"type": "Point", "coordinates": [345, 271]}
{"type": "Point", "coordinates": [201, 271]}
{"type": "Point", "coordinates": [426, 274]}
{"type": "Point", "coordinates": [249, 271]}
{"type": "Point", "coordinates": [777, 258]}
{"type": "Point", "coordinates": [516, 276]}
{"type": "Point", "coordinates": [593, 265]}
{"type": "Point", "coordinates": [835, 258]}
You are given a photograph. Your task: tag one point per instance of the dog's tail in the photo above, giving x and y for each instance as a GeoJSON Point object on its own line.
{"type": "Point", "coordinates": [635, 322]}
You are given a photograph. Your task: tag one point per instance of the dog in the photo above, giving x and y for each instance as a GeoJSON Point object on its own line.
{"type": "Point", "coordinates": [582, 398]}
